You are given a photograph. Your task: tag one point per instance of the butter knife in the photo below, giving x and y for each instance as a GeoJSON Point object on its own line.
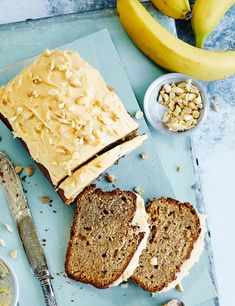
{"type": "Point", "coordinates": [21, 214]}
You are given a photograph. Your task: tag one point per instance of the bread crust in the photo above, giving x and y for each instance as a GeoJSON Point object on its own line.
{"type": "Point", "coordinates": [171, 201]}
{"type": "Point", "coordinates": [139, 237]}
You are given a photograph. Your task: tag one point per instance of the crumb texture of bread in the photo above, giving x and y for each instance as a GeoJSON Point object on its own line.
{"type": "Point", "coordinates": [174, 229]}
{"type": "Point", "coordinates": [102, 241]}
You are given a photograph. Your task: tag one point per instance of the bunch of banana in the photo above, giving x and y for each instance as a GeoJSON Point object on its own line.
{"type": "Point", "coordinates": [177, 9]}
{"type": "Point", "coordinates": [167, 50]}
{"type": "Point", "coordinates": [206, 14]}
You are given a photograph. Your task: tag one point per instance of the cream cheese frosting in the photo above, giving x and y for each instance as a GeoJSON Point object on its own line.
{"type": "Point", "coordinates": [140, 220]}
{"type": "Point", "coordinates": [82, 177]}
{"type": "Point", "coordinates": [62, 109]}
{"type": "Point", "coordinates": [194, 256]}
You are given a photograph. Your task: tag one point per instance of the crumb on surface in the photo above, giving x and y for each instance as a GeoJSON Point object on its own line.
{"type": "Point", "coordinates": [18, 168]}
{"type": "Point", "coordinates": [139, 190]}
{"type": "Point", "coordinates": [110, 178]}
{"type": "Point", "coordinates": [144, 155]}
{"type": "Point", "coordinates": [29, 171]}
{"type": "Point", "coordinates": [8, 227]}
{"type": "Point", "coordinates": [178, 169]}
{"type": "Point", "coordinates": [45, 200]}
{"type": "Point", "coordinates": [13, 254]}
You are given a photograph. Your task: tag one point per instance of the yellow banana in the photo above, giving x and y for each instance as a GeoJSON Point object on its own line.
{"type": "Point", "coordinates": [206, 14]}
{"type": "Point", "coordinates": [177, 9]}
{"type": "Point", "coordinates": [167, 50]}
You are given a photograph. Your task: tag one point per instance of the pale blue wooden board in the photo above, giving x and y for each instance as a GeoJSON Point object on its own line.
{"type": "Point", "coordinates": [130, 172]}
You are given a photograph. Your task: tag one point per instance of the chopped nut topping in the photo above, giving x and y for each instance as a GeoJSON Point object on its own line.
{"type": "Point", "coordinates": [60, 113]}
{"type": "Point", "coordinates": [60, 67]}
{"type": "Point", "coordinates": [110, 178]}
{"type": "Point", "coordinates": [61, 106]}
{"type": "Point", "coordinates": [4, 101]}
{"type": "Point", "coordinates": [53, 92]}
{"type": "Point", "coordinates": [2, 243]}
{"type": "Point", "coordinates": [144, 155]}
{"type": "Point", "coordinates": [19, 110]}
{"type": "Point", "coordinates": [179, 288]}
{"type": "Point", "coordinates": [139, 190]}
{"type": "Point", "coordinates": [8, 227]}
{"type": "Point", "coordinates": [75, 83]}
{"type": "Point", "coordinates": [47, 52]}
{"type": "Point", "coordinates": [33, 93]}
{"type": "Point", "coordinates": [76, 155]}
{"type": "Point", "coordinates": [18, 168]}
{"type": "Point", "coordinates": [37, 79]}
{"type": "Point", "coordinates": [139, 115]}
{"type": "Point", "coordinates": [14, 254]}
{"type": "Point", "coordinates": [72, 108]}
{"type": "Point", "coordinates": [68, 74]}
{"type": "Point", "coordinates": [29, 171]}
{"type": "Point", "coordinates": [12, 119]}
{"type": "Point", "coordinates": [45, 200]}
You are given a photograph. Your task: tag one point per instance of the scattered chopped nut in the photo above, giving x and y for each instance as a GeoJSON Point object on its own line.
{"type": "Point", "coordinates": [75, 83]}
{"type": "Point", "coordinates": [215, 107]}
{"type": "Point", "coordinates": [179, 288]}
{"type": "Point", "coordinates": [174, 303]}
{"type": "Point", "coordinates": [178, 169]}
{"type": "Point", "coordinates": [13, 254]}
{"type": "Point", "coordinates": [153, 261]}
{"type": "Point", "coordinates": [139, 115]}
{"type": "Point", "coordinates": [8, 227]}
{"type": "Point", "coordinates": [184, 103]}
{"type": "Point", "coordinates": [29, 171]}
{"type": "Point", "coordinates": [2, 243]}
{"type": "Point", "coordinates": [37, 79]}
{"type": "Point", "coordinates": [110, 178]}
{"type": "Point", "coordinates": [45, 200]}
{"type": "Point", "coordinates": [19, 110]}
{"type": "Point", "coordinates": [124, 285]}
{"type": "Point", "coordinates": [53, 92]}
{"type": "Point", "coordinates": [144, 155]}
{"type": "Point", "coordinates": [139, 190]}
{"type": "Point", "coordinates": [18, 168]}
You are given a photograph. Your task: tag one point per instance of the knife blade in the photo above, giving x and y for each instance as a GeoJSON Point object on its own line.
{"type": "Point", "coordinates": [21, 214]}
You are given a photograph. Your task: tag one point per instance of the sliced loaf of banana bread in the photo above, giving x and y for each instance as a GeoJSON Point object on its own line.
{"type": "Point", "coordinates": [108, 234]}
{"type": "Point", "coordinates": [175, 243]}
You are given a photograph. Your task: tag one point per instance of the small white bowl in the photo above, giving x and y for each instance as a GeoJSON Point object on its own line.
{"type": "Point", "coordinates": [13, 282]}
{"type": "Point", "coordinates": [154, 110]}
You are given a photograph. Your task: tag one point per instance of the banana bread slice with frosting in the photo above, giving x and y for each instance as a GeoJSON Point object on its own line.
{"type": "Point", "coordinates": [63, 111]}
{"type": "Point", "coordinates": [108, 234]}
{"type": "Point", "coordinates": [175, 243]}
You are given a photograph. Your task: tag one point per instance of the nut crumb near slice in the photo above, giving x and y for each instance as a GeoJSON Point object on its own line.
{"type": "Point", "coordinates": [18, 168]}
{"type": "Point", "coordinates": [124, 285]}
{"type": "Point", "coordinates": [139, 190]}
{"type": "Point", "coordinates": [8, 227]}
{"type": "Point", "coordinates": [144, 155]}
{"type": "Point", "coordinates": [110, 178]}
{"type": "Point", "coordinates": [139, 115]}
{"type": "Point", "coordinates": [179, 288]}
{"type": "Point", "coordinates": [14, 254]}
{"type": "Point", "coordinates": [215, 107]}
{"type": "Point", "coordinates": [29, 171]}
{"type": "Point", "coordinates": [2, 242]}
{"type": "Point", "coordinates": [45, 200]}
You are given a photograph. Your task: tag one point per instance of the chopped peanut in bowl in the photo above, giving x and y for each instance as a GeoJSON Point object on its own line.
{"type": "Point", "coordinates": [184, 104]}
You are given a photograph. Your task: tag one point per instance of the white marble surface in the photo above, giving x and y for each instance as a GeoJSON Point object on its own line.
{"type": "Point", "coordinates": [214, 144]}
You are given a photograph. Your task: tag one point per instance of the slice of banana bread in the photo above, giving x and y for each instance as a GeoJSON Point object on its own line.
{"type": "Point", "coordinates": [107, 232]}
{"type": "Point", "coordinates": [175, 243]}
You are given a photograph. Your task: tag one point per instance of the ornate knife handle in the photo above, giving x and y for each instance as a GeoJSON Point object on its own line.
{"type": "Point", "coordinates": [45, 280]}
